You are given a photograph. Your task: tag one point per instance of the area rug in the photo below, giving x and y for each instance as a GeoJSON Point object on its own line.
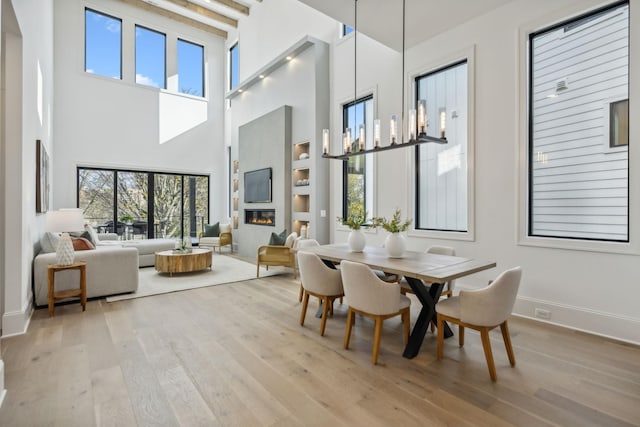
{"type": "Point", "coordinates": [225, 269]}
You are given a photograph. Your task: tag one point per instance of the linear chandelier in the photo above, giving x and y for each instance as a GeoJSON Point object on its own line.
{"type": "Point", "coordinates": [416, 125]}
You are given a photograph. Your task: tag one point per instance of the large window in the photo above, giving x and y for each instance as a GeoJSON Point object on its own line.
{"type": "Point", "coordinates": [103, 44]}
{"type": "Point", "coordinates": [190, 68]}
{"type": "Point", "coordinates": [357, 170]}
{"type": "Point", "coordinates": [150, 57]}
{"type": "Point", "coordinates": [579, 127]}
{"type": "Point", "coordinates": [441, 179]}
{"type": "Point", "coordinates": [234, 67]}
{"type": "Point", "coordinates": [137, 204]}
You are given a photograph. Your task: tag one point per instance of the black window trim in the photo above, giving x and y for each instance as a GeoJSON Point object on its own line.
{"type": "Point", "coordinates": [135, 54]}
{"type": "Point", "coordinates": [179, 39]}
{"type": "Point", "coordinates": [85, 37]}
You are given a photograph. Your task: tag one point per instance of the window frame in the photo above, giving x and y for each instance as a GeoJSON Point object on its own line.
{"type": "Point", "coordinates": [345, 106]}
{"type": "Point", "coordinates": [466, 54]}
{"type": "Point", "coordinates": [204, 86]}
{"type": "Point", "coordinates": [86, 9]}
{"type": "Point", "coordinates": [135, 57]}
{"type": "Point", "coordinates": [632, 247]}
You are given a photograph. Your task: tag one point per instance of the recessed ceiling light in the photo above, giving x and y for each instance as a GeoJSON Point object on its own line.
{"type": "Point", "coordinates": [261, 76]}
{"type": "Point", "coordinates": [239, 90]}
{"type": "Point", "coordinates": [288, 58]}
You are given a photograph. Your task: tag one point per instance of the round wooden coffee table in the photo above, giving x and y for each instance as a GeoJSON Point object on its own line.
{"type": "Point", "coordinates": [182, 262]}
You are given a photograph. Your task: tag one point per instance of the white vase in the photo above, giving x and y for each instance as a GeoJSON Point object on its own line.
{"type": "Point", "coordinates": [64, 252]}
{"type": "Point", "coordinates": [356, 241]}
{"type": "Point", "coordinates": [395, 244]}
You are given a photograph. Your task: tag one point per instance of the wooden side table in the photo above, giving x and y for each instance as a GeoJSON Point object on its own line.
{"type": "Point", "coordinates": [68, 293]}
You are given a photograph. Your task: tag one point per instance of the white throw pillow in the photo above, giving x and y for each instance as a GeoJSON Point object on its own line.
{"type": "Point", "coordinates": [225, 228]}
{"type": "Point", "coordinates": [291, 238]}
{"type": "Point", "coordinates": [49, 242]}
{"type": "Point", "coordinates": [93, 233]}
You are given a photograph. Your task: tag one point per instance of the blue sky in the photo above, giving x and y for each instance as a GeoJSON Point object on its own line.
{"type": "Point", "coordinates": [103, 55]}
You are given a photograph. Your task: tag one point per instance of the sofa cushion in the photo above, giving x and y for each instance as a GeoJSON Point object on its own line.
{"type": "Point", "coordinates": [49, 242]}
{"type": "Point", "coordinates": [81, 244]}
{"type": "Point", "coordinates": [278, 239]}
{"type": "Point", "coordinates": [212, 230]}
{"type": "Point", "coordinates": [225, 228]}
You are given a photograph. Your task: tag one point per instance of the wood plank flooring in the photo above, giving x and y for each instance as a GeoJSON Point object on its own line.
{"type": "Point", "coordinates": [235, 355]}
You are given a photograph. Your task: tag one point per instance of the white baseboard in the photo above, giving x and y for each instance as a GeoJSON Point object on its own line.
{"type": "Point", "coordinates": [608, 325]}
{"type": "Point", "coordinates": [17, 322]}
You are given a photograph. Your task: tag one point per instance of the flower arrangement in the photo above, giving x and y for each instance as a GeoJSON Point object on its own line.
{"type": "Point", "coordinates": [355, 221]}
{"type": "Point", "coordinates": [395, 225]}
{"type": "Point", "coordinates": [183, 245]}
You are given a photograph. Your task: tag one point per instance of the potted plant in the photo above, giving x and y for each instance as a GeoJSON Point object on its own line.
{"type": "Point", "coordinates": [395, 243]}
{"type": "Point", "coordinates": [355, 222]}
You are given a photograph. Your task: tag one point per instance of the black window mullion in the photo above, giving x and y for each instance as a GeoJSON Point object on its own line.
{"type": "Point", "coordinates": [151, 232]}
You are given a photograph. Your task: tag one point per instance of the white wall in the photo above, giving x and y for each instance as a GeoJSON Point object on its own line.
{"type": "Point", "coordinates": [28, 119]}
{"type": "Point", "coordinates": [585, 289]}
{"type": "Point", "coordinates": [119, 124]}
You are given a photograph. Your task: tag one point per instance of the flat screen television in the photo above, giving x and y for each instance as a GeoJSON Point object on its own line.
{"type": "Point", "coordinates": [257, 186]}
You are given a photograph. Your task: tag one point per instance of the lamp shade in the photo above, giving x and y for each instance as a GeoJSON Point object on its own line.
{"type": "Point", "coordinates": [65, 220]}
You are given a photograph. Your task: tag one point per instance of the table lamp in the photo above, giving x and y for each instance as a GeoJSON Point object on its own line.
{"type": "Point", "coordinates": [65, 220]}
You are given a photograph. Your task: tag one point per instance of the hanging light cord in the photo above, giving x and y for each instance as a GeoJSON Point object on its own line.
{"type": "Point", "coordinates": [355, 52]}
{"type": "Point", "coordinates": [402, 123]}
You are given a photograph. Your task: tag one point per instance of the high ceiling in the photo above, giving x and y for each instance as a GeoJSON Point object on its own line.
{"type": "Point", "coordinates": [214, 16]}
{"type": "Point", "coordinates": [379, 19]}
{"type": "Point", "coordinates": [382, 19]}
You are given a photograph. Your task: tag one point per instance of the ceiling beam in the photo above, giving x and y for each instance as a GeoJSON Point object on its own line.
{"type": "Point", "coordinates": [233, 5]}
{"type": "Point", "coordinates": [176, 17]}
{"type": "Point", "coordinates": [207, 13]}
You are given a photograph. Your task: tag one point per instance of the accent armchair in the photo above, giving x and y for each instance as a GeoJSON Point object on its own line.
{"type": "Point", "coordinates": [276, 255]}
{"type": "Point", "coordinates": [224, 239]}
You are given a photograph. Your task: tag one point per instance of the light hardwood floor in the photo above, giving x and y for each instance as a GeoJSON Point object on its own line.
{"type": "Point", "coordinates": [235, 355]}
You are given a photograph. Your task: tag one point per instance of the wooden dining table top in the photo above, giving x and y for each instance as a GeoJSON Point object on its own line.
{"type": "Point", "coordinates": [428, 267]}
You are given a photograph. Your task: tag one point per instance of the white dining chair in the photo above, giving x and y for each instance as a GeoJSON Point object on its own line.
{"type": "Point", "coordinates": [482, 310]}
{"type": "Point", "coordinates": [320, 281]}
{"type": "Point", "coordinates": [301, 244]}
{"type": "Point", "coordinates": [369, 296]}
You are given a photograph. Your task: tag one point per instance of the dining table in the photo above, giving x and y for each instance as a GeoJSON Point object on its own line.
{"type": "Point", "coordinates": [426, 274]}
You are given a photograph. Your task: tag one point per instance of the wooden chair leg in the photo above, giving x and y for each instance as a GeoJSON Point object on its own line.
{"type": "Point", "coordinates": [303, 313]}
{"type": "Point", "coordinates": [440, 336]}
{"type": "Point", "coordinates": [507, 343]}
{"type": "Point", "coordinates": [325, 310]}
{"type": "Point", "coordinates": [377, 334]}
{"type": "Point", "coordinates": [340, 300]}
{"type": "Point", "coordinates": [300, 293]}
{"type": "Point", "coordinates": [486, 344]}
{"type": "Point", "coordinates": [406, 320]}
{"type": "Point", "coordinates": [433, 326]}
{"type": "Point", "coordinates": [461, 335]}
{"type": "Point", "coordinates": [258, 270]}
{"type": "Point", "coordinates": [347, 332]}
{"type": "Point", "coordinates": [330, 302]}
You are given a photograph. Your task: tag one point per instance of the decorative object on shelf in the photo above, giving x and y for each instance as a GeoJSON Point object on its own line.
{"type": "Point", "coordinates": [356, 240]}
{"type": "Point", "coordinates": [395, 243]}
{"type": "Point", "coordinates": [416, 124]}
{"type": "Point", "coordinates": [303, 156]}
{"type": "Point", "coordinates": [236, 166]}
{"type": "Point", "coordinates": [65, 220]}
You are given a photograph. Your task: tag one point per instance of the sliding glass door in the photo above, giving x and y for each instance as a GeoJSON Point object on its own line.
{"type": "Point", "coordinates": [140, 205]}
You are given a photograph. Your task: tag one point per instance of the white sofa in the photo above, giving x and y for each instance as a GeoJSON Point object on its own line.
{"type": "Point", "coordinates": [146, 247]}
{"type": "Point", "coordinates": [110, 270]}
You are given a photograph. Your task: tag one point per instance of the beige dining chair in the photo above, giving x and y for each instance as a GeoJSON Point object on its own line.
{"type": "Point", "coordinates": [369, 296]}
{"type": "Point", "coordinates": [448, 288]}
{"type": "Point", "coordinates": [482, 310]}
{"type": "Point", "coordinates": [301, 244]}
{"type": "Point", "coordinates": [320, 281]}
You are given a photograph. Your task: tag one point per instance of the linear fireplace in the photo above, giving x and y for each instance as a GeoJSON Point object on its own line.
{"type": "Point", "coordinates": [260, 217]}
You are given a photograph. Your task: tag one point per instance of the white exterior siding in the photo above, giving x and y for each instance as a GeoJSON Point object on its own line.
{"type": "Point", "coordinates": [579, 186]}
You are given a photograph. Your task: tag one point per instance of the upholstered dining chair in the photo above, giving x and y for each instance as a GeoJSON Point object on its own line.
{"type": "Point", "coordinates": [320, 281]}
{"type": "Point", "coordinates": [301, 244]}
{"type": "Point", "coordinates": [369, 296]}
{"type": "Point", "coordinates": [448, 288]}
{"type": "Point", "coordinates": [482, 310]}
